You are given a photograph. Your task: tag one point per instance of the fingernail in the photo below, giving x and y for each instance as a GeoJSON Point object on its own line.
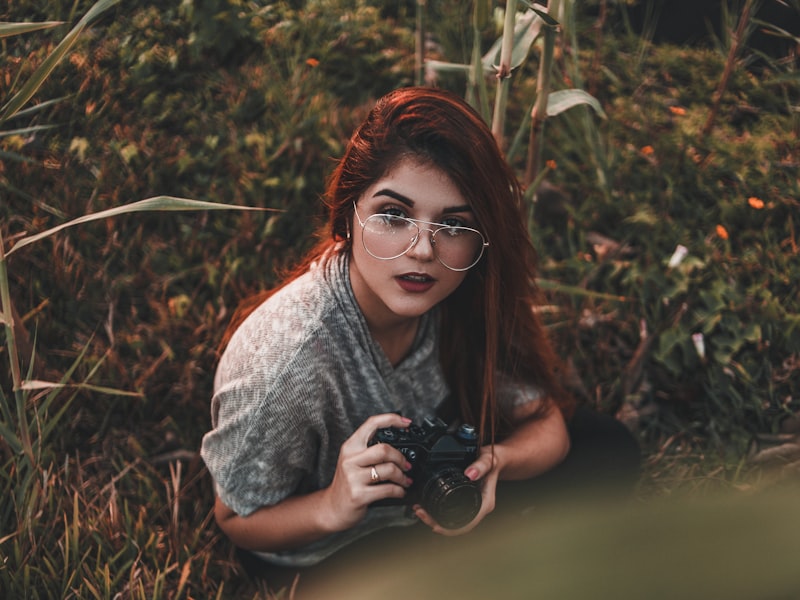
{"type": "Point", "coordinates": [407, 466]}
{"type": "Point", "coordinates": [471, 473]}
{"type": "Point", "coordinates": [406, 420]}
{"type": "Point", "coordinates": [409, 481]}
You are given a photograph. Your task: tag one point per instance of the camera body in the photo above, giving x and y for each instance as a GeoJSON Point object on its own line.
{"type": "Point", "coordinates": [438, 460]}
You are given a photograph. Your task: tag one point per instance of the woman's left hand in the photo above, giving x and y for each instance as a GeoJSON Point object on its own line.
{"type": "Point", "coordinates": [485, 470]}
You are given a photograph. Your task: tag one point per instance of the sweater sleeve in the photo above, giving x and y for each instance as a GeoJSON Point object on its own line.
{"type": "Point", "coordinates": [512, 393]}
{"type": "Point", "coordinates": [263, 446]}
{"type": "Point", "coordinates": [267, 410]}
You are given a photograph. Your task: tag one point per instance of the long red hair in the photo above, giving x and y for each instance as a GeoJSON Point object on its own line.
{"type": "Point", "coordinates": [489, 324]}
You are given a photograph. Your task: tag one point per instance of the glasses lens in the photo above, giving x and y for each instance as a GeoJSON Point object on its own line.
{"type": "Point", "coordinates": [458, 248]}
{"type": "Point", "coordinates": [387, 236]}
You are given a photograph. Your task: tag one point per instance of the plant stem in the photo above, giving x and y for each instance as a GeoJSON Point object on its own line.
{"type": "Point", "coordinates": [419, 70]}
{"type": "Point", "coordinates": [11, 346]}
{"type": "Point", "coordinates": [504, 73]}
{"type": "Point", "coordinates": [539, 111]}
{"type": "Point", "coordinates": [477, 95]}
{"type": "Point", "coordinates": [8, 319]}
{"type": "Point", "coordinates": [738, 36]}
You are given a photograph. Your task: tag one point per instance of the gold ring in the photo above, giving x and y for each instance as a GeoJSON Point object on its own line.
{"type": "Point", "coordinates": [373, 475]}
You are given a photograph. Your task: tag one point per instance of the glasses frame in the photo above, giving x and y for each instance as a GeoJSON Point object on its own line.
{"type": "Point", "coordinates": [415, 238]}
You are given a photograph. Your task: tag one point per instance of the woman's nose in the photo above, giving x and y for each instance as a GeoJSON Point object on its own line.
{"type": "Point", "coordinates": [423, 249]}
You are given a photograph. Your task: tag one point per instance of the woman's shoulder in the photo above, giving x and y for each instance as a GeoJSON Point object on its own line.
{"type": "Point", "coordinates": [280, 328]}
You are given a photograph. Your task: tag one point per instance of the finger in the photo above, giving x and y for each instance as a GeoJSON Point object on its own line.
{"type": "Point", "coordinates": [383, 491]}
{"type": "Point", "coordinates": [367, 430]}
{"type": "Point", "coordinates": [426, 518]}
{"type": "Point", "coordinates": [423, 516]}
{"type": "Point", "coordinates": [374, 476]}
{"type": "Point", "coordinates": [480, 468]}
{"type": "Point", "coordinates": [388, 472]}
{"type": "Point", "coordinates": [380, 453]}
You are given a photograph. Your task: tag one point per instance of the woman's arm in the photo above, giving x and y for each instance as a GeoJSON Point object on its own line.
{"type": "Point", "coordinates": [300, 520]}
{"type": "Point", "coordinates": [534, 447]}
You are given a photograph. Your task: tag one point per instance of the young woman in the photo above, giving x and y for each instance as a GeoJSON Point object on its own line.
{"type": "Point", "coordinates": [419, 301]}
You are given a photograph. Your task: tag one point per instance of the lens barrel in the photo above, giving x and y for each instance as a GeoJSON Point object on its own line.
{"type": "Point", "coordinates": [451, 498]}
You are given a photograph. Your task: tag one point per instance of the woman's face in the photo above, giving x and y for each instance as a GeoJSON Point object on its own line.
{"type": "Point", "coordinates": [403, 288]}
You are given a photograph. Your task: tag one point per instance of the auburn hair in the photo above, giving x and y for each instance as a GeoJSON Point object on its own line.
{"type": "Point", "coordinates": [489, 324]}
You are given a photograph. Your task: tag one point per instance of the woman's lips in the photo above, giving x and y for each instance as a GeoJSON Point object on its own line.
{"type": "Point", "coordinates": [415, 282]}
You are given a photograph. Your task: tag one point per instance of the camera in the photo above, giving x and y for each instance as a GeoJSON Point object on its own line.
{"type": "Point", "coordinates": [438, 460]}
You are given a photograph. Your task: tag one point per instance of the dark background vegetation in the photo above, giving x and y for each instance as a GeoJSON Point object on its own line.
{"type": "Point", "coordinates": [249, 103]}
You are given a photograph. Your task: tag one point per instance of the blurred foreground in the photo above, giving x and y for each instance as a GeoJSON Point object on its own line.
{"type": "Point", "coordinates": [738, 546]}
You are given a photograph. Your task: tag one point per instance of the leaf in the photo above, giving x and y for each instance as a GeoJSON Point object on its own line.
{"type": "Point", "coordinates": [158, 203]}
{"type": "Point", "coordinates": [25, 130]}
{"type": "Point", "coordinates": [447, 67]}
{"type": "Point", "coordinates": [574, 290]}
{"type": "Point", "coordinates": [558, 102]}
{"type": "Point", "coordinates": [10, 438]}
{"type": "Point", "coordinates": [37, 384]}
{"type": "Point", "coordinates": [526, 30]}
{"type": "Point", "coordinates": [9, 29]}
{"type": "Point", "coordinates": [51, 62]}
{"type": "Point", "coordinates": [549, 21]}
{"type": "Point", "coordinates": [40, 106]}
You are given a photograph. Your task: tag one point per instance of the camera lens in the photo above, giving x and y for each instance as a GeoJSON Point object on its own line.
{"type": "Point", "coordinates": [451, 498]}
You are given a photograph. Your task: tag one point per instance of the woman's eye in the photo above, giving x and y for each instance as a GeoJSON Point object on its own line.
{"type": "Point", "coordinates": [453, 222]}
{"type": "Point", "coordinates": [392, 211]}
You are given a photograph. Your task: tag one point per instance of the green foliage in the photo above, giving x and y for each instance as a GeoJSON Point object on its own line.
{"type": "Point", "coordinates": [711, 340]}
{"type": "Point", "coordinates": [245, 103]}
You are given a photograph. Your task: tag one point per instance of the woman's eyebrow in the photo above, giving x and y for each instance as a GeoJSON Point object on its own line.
{"type": "Point", "coordinates": [410, 203]}
{"type": "Point", "coordinates": [396, 195]}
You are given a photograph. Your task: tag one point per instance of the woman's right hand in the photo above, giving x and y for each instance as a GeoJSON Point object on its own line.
{"type": "Point", "coordinates": [365, 474]}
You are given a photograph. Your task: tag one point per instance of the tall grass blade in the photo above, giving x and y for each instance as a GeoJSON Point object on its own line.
{"type": "Point", "coordinates": [36, 384]}
{"type": "Point", "coordinates": [573, 290]}
{"type": "Point", "coordinates": [25, 130]}
{"type": "Point", "coordinates": [38, 107]}
{"type": "Point", "coordinates": [7, 319]}
{"type": "Point", "coordinates": [158, 203]}
{"type": "Point", "coordinates": [32, 85]}
{"type": "Point", "coordinates": [9, 29]}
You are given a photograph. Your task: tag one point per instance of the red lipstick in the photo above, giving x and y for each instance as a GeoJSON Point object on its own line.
{"type": "Point", "coordinates": [415, 283]}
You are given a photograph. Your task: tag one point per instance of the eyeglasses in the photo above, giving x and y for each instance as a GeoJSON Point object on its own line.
{"type": "Point", "coordinates": [388, 236]}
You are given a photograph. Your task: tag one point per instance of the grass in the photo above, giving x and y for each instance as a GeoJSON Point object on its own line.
{"type": "Point", "coordinates": [108, 497]}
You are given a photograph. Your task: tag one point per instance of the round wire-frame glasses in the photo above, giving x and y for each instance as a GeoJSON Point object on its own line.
{"type": "Point", "coordinates": [387, 237]}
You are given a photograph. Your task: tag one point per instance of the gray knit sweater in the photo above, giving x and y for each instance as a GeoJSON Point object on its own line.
{"type": "Point", "coordinates": [297, 378]}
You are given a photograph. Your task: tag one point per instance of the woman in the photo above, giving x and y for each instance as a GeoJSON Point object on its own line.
{"type": "Point", "coordinates": [418, 301]}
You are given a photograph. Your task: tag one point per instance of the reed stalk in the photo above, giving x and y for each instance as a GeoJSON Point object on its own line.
{"type": "Point", "coordinates": [504, 74]}
{"type": "Point", "coordinates": [539, 111]}
{"type": "Point", "coordinates": [419, 50]}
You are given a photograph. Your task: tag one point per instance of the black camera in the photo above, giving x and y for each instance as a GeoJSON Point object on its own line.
{"type": "Point", "coordinates": [438, 460]}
